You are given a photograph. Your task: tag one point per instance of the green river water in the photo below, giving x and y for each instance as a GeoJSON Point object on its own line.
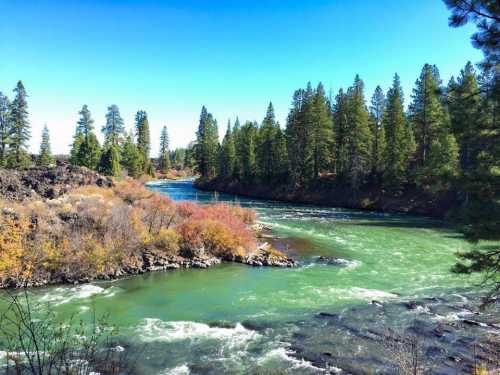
{"type": "Point", "coordinates": [235, 319]}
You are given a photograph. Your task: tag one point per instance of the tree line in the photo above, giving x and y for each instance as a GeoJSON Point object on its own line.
{"type": "Point", "coordinates": [344, 139]}
{"type": "Point", "coordinates": [447, 140]}
{"type": "Point", "coordinates": [122, 151]}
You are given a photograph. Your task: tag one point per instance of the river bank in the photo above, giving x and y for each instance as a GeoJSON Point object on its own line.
{"type": "Point", "coordinates": [372, 199]}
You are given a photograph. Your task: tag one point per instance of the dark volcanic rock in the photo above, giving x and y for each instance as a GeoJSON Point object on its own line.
{"type": "Point", "coordinates": [47, 182]}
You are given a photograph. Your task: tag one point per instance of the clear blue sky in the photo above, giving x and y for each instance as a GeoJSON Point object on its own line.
{"type": "Point", "coordinates": [234, 56]}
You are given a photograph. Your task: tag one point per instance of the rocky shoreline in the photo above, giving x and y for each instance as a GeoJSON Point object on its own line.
{"type": "Point", "coordinates": [152, 261]}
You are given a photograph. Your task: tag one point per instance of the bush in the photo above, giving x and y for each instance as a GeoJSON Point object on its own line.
{"type": "Point", "coordinates": [167, 241]}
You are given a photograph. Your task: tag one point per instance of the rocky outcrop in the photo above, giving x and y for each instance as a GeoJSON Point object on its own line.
{"type": "Point", "coordinates": [48, 183]}
{"type": "Point", "coordinates": [267, 256]}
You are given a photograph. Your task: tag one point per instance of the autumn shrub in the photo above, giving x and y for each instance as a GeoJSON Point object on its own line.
{"type": "Point", "coordinates": [131, 190]}
{"type": "Point", "coordinates": [92, 232]}
{"type": "Point", "coordinates": [167, 241]}
{"type": "Point", "coordinates": [186, 209]}
{"type": "Point", "coordinates": [158, 212]}
{"type": "Point", "coordinates": [214, 237]}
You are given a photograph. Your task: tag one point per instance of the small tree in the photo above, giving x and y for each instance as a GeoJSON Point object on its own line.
{"type": "Point", "coordinates": [110, 161]}
{"type": "Point", "coordinates": [132, 157]}
{"type": "Point", "coordinates": [45, 157]}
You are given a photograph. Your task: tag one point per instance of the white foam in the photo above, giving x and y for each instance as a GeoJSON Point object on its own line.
{"type": "Point", "coordinates": [62, 295]}
{"type": "Point", "coordinates": [370, 293]}
{"type": "Point", "coordinates": [158, 330]}
{"type": "Point", "coordinates": [282, 356]}
{"type": "Point", "coordinates": [452, 317]}
{"type": "Point", "coordinates": [179, 370]}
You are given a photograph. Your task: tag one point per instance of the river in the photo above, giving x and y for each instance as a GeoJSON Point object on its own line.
{"type": "Point", "coordinates": [235, 319]}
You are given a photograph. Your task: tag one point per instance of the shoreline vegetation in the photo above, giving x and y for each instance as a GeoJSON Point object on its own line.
{"type": "Point", "coordinates": [70, 225]}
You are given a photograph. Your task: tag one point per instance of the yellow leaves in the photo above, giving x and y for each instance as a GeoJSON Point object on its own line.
{"type": "Point", "coordinates": [167, 240]}
{"type": "Point", "coordinates": [12, 245]}
{"type": "Point", "coordinates": [481, 370]}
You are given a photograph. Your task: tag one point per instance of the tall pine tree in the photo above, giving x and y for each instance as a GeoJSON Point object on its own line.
{"type": "Point", "coordinates": [464, 105]}
{"type": "Point", "coordinates": [400, 143]}
{"type": "Point", "coordinates": [227, 154]}
{"type": "Point", "coordinates": [86, 150]}
{"type": "Point", "coordinates": [264, 146]}
{"type": "Point", "coordinates": [341, 126]}
{"type": "Point", "coordinates": [322, 128]}
{"type": "Point", "coordinates": [207, 145]}
{"type": "Point", "coordinates": [360, 137]}
{"type": "Point", "coordinates": [437, 151]}
{"type": "Point", "coordinates": [20, 131]}
{"type": "Point", "coordinates": [143, 137]}
{"type": "Point", "coordinates": [376, 111]}
{"type": "Point", "coordinates": [164, 156]}
{"type": "Point", "coordinates": [113, 133]}
{"type": "Point", "coordinates": [4, 128]}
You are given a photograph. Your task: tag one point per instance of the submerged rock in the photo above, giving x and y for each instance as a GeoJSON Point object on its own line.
{"type": "Point", "coordinates": [334, 261]}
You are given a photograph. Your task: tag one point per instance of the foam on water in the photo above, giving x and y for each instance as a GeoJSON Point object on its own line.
{"type": "Point", "coordinates": [178, 370]}
{"type": "Point", "coordinates": [282, 357]}
{"type": "Point", "coordinates": [62, 295]}
{"type": "Point", "coordinates": [353, 293]}
{"type": "Point", "coordinates": [159, 330]}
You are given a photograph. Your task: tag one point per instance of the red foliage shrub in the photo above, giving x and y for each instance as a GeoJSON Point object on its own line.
{"type": "Point", "coordinates": [220, 229]}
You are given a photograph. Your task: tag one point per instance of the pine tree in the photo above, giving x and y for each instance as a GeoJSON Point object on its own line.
{"type": "Point", "coordinates": [75, 153]}
{"type": "Point", "coordinates": [113, 130]}
{"type": "Point", "coordinates": [376, 110]}
{"type": "Point", "coordinates": [143, 136]}
{"type": "Point", "coordinates": [396, 157]}
{"type": "Point", "coordinates": [4, 128]}
{"type": "Point", "coordinates": [464, 106]}
{"type": "Point", "coordinates": [280, 156]}
{"type": "Point", "coordinates": [322, 128]}
{"type": "Point", "coordinates": [86, 150]}
{"type": "Point", "coordinates": [207, 145]}
{"type": "Point", "coordinates": [300, 137]}
{"type": "Point", "coordinates": [164, 157]}
{"type": "Point", "coordinates": [45, 157]}
{"type": "Point", "coordinates": [248, 135]}
{"type": "Point", "coordinates": [359, 142]}
{"type": "Point", "coordinates": [20, 132]}
{"type": "Point", "coordinates": [132, 158]}
{"type": "Point", "coordinates": [436, 146]}
{"type": "Point", "coordinates": [228, 154]}
{"type": "Point", "coordinates": [236, 131]}
{"type": "Point", "coordinates": [341, 126]}
{"type": "Point", "coordinates": [109, 163]}
{"type": "Point", "coordinates": [264, 146]}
